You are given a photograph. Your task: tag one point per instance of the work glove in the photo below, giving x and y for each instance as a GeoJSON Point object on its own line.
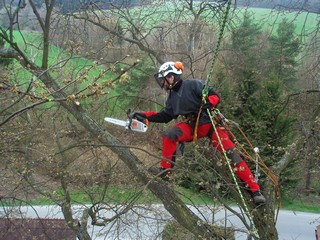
{"type": "Point", "coordinates": [140, 116]}
{"type": "Point", "coordinates": [207, 105]}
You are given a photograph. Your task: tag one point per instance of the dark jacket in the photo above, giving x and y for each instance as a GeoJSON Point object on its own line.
{"type": "Point", "coordinates": [184, 99]}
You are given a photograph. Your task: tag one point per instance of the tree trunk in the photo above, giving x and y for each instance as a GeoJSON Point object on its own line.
{"type": "Point", "coordinates": [170, 200]}
{"type": "Point", "coordinates": [82, 232]}
{"type": "Point", "coordinates": [263, 225]}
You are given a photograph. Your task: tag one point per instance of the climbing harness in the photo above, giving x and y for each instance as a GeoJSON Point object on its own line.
{"type": "Point", "coordinates": [214, 59]}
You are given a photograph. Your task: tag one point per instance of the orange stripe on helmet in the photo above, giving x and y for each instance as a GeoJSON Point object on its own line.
{"type": "Point", "coordinates": [179, 65]}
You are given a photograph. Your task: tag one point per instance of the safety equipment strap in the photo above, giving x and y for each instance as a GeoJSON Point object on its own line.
{"type": "Point", "coordinates": [216, 50]}
{"type": "Point", "coordinates": [214, 59]}
{"type": "Point", "coordinates": [195, 131]}
{"type": "Point", "coordinates": [204, 97]}
{"type": "Point", "coordinates": [246, 208]}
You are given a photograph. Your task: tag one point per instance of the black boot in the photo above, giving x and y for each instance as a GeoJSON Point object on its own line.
{"type": "Point", "coordinates": [165, 173]}
{"type": "Point", "coordinates": [258, 198]}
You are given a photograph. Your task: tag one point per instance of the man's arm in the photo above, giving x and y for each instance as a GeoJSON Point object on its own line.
{"type": "Point", "coordinates": [213, 98]}
{"type": "Point", "coordinates": [160, 117]}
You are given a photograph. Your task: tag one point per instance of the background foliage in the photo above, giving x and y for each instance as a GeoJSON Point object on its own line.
{"type": "Point", "coordinates": [267, 72]}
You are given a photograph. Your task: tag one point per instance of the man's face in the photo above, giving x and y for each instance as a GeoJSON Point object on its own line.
{"type": "Point", "coordinates": [168, 82]}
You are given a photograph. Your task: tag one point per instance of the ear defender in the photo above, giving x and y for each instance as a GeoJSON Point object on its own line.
{"type": "Point", "coordinates": [179, 65]}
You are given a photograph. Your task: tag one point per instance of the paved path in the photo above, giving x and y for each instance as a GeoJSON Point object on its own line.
{"type": "Point", "coordinates": [148, 224]}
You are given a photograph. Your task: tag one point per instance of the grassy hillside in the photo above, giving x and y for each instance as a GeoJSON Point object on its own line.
{"type": "Point", "coordinates": [305, 22]}
{"type": "Point", "coordinates": [63, 66]}
{"type": "Point", "coordinates": [269, 18]}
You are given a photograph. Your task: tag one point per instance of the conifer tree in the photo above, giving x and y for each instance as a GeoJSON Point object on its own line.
{"type": "Point", "coordinates": [244, 65]}
{"type": "Point", "coordinates": [260, 70]}
{"type": "Point", "coordinates": [284, 50]}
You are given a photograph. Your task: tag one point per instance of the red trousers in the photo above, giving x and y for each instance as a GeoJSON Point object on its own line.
{"type": "Point", "coordinates": [183, 132]}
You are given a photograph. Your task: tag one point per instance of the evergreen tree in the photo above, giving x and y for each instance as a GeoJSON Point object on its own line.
{"type": "Point", "coordinates": [244, 65]}
{"type": "Point", "coordinates": [284, 49]}
{"type": "Point", "coordinates": [271, 124]}
{"type": "Point", "coordinates": [258, 92]}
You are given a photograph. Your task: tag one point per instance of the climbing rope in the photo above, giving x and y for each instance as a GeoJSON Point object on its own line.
{"type": "Point", "coordinates": [214, 59]}
{"type": "Point", "coordinates": [261, 164]}
{"type": "Point", "coordinates": [234, 178]}
{"type": "Point", "coordinates": [217, 48]}
{"type": "Point", "coordinates": [204, 96]}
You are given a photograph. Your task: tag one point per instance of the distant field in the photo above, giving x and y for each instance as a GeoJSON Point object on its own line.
{"type": "Point", "coordinates": [72, 65]}
{"type": "Point", "coordinates": [269, 18]}
{"type": "Point", "coordinates": [304, 22]}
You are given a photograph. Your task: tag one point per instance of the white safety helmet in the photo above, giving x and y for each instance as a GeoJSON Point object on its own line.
{"type": "Point", "coordinates": [166, 68]}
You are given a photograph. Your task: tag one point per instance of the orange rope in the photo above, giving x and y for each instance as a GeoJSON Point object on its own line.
{"type": "Point", "coordinates": [195, 131]}
{"type": "Point", "coordinates": [262, 166]}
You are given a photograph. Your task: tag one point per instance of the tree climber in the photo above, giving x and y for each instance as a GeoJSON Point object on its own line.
{"type": "Point", "coordinates": [185, 99]}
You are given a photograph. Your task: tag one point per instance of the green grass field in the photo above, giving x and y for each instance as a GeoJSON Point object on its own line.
{"type": "Point", "coordinates": [304, 22]}
{"type": "Point", "coordinates": [62, 65]}
{"type": "Point", "coordinates": [123, 194]}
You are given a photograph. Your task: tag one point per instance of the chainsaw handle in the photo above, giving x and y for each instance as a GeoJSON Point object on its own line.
{"type": "Point", "coordinates": [140, 116]}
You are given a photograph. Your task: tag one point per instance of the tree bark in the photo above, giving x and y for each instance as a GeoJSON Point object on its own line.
{"type": "Point", "coordinates": [171, 201]}
{"type": "Point", "coordinates": [264, 222]}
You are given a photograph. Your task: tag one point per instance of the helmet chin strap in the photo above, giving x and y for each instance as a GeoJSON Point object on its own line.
{"type": "Point", "coordinates": [169, 86]}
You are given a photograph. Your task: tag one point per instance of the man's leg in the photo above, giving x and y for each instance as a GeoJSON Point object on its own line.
{"type": "Point", "coordinates": [180, 132]}
{"type": "Point", "coordinates": [239, 166]}
{"type": "Point", "coordinates": [242, 170]}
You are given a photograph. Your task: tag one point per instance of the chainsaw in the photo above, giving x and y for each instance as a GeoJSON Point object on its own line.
{"type": "Point", "coordinates": [131, 124]}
